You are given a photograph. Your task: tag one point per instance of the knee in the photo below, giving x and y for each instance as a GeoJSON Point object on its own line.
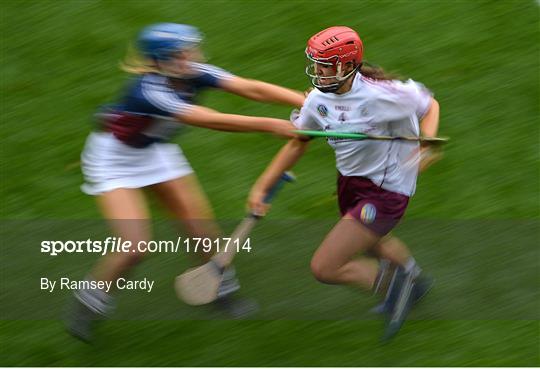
{"type": "Point", "coordinates": [322, 271]}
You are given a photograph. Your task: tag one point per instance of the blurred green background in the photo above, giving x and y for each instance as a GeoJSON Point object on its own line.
{"type": "Point", "coordinates": [59, 61]}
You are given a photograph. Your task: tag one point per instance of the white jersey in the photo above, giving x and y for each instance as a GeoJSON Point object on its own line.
{"type": "Point", "coordinates": [376, 107]}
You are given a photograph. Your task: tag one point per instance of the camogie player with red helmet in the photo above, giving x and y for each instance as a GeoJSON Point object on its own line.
{"type": "Point", "coordinates": [375, 178]}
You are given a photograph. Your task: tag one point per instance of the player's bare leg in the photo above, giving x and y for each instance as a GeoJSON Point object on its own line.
{"type": "Point", "coordinates": [128, 217]}
{"type": "Point", "coordinates": [127, 213]}
{"type": "Point", "coordinates": [393, 249]}
{"type": "Point", "coordinates": [185, 199]}
{"type": "Point", "coordinates": [334, 261]}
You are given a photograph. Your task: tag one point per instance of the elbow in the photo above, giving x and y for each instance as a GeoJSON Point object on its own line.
{"type": "Point", "coordinates": [257, 94]}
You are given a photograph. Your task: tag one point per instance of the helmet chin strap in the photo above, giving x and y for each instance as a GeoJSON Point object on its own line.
{"type": "Point", "coordinates": [341, 80]}
{"type": "Point", "coordinates": [346, 77]}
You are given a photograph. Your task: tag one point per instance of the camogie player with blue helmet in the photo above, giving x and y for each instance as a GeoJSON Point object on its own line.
{"type": "Point", "coordinates": [131, 151]}
{"type": "Point", "coordinates": [375, 178]}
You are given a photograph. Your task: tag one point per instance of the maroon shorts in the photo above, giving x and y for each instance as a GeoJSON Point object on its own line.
{"type": "Point", "coordinates": [377, 209]}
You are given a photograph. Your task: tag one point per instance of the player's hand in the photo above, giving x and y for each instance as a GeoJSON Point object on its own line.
{"type": "Point", "coordinates": [256, 202]}
{"type": "Point", "coordinates": [429, 156]}
{"type": "Point", "coordinates": [284, 128]}
{"type": "Point", "coordinates": [424, 157]}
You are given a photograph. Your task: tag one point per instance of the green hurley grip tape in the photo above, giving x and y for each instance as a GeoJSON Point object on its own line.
{"type": "Point", "coordinates": [358, 136]}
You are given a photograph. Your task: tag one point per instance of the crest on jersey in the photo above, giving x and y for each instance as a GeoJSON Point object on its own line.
{"type": "Point", "coordinates": [368, 213]}
{"type": "Point", "coordinates": [323, 110]}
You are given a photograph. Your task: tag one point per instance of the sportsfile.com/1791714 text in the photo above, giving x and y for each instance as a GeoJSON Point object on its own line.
{"type": "Point", "coordinates": [117, 244]}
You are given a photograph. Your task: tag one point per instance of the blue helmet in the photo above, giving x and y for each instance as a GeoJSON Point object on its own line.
{"type": "Point", "coordinates": [160, 41]}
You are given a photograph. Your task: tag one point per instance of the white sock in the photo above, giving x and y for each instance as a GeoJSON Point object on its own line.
{"type": "Point", "coordinates": [412, 266]}
{"type": "Point", "coordinates": [384, 264]}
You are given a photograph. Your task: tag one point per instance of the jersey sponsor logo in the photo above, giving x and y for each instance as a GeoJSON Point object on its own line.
{"type": "Point", "coordinates": [342, 108]}
{"type": "Point", "coordinates": [323, 110]}
{"type": "Point", "coordinates": [364, 111]}
{"type": "Point", "coordinates": [368, 213]}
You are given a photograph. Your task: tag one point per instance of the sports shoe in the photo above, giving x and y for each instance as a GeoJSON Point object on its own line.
{"type": "Point", "coordinates": [424, 284]}
{"type": "Point", "coordinates": [236, 307]}
{"type": "Point", "coordinates": [401, 303]}
{"type": "Point", "coordinates": [80, 321]}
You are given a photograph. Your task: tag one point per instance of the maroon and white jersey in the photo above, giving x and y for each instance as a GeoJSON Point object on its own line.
{"type": "Point", "coordinates": [392, 108]}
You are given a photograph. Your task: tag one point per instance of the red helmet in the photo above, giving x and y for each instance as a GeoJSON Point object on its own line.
{"type": "Point", "coordinates": [333, 46]}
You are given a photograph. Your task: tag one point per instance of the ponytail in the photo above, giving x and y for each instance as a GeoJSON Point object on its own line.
{"type": "Point", "coordinates": [375, 72]}
{"type": "Point", "coordinates": [135, 63]}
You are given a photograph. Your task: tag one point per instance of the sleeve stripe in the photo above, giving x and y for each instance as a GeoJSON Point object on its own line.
{"type": "Point", "coordinates": [163, 99]}
{"type": "Point", "coordinates": [214, 71]}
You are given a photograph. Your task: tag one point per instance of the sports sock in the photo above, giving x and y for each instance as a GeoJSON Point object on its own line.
{"type": "Point", "coordinates": [382, 276]}
{"type": "Point", "coordinates": [411, 266]}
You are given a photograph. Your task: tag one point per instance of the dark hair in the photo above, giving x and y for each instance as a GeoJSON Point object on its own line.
{"type": "Point", "coordinates": [375, 72]}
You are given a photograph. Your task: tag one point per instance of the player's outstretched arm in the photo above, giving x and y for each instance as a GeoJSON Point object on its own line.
{"type": "Point", "coordinates": [208, 118]}
{"type": "Point", "coordinates": [262, 91]}
{"type": "Point", "coordinates": [285, 159]}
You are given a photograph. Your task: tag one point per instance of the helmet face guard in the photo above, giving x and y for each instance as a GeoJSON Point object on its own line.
{"type": "Point", "coordinates": [318, 80]}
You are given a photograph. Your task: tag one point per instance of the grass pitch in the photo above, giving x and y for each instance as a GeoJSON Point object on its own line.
{"type": "Point", "coordinates": [59, 61]}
